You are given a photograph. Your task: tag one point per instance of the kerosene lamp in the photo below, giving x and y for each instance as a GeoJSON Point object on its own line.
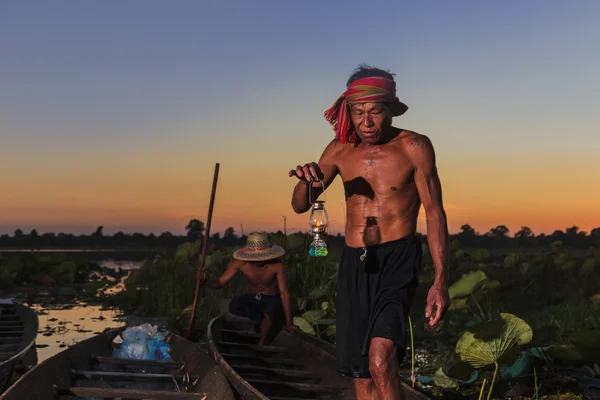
{"type": "Point", "coordinates": [318, 224]}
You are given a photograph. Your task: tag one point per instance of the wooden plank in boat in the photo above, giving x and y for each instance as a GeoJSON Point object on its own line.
{"type": "Point", "coordinates": [285, 398]}
{"type": "Point", "coordinates": [308, 387]}
{"type": "Point", "coordinates": [256, 347]}
{"type": "Point", "coordinates": [276, 371]}
{"type": "Point", "coordinates": [129, 394]}
{"type": "Point", "coordinates": [11, 332]}
{"type": "Point", "coordinates": [241, 333]}
{"type": "Point", "coordinates": [287, 361]}
{"type": "Point", "coordinates": [141, 363]}
{"type": "Point", "coordinates": [129, 376]}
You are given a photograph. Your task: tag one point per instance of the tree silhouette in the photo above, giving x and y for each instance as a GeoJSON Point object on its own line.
{"type": "Point", "coordinates": [195, 229]}
{"type": "Point", "coordinates": [501, 231]}
{"type": "Point", "coordinates": [497, 237]}
{"type": "Point", "coordinates": [595, 237]}
{"type": "Point", "coordinates": [524, 236]}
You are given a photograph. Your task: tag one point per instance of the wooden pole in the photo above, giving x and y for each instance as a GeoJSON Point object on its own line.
{"type": "Point", "coordinates": [204, 246]}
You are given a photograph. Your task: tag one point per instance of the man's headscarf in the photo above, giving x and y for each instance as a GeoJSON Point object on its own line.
{"type": "Point", "coordinates": [364, 90]}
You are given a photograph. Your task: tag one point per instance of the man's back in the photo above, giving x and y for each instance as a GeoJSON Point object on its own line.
{"type": "Point", "coordinates": [381, 194]}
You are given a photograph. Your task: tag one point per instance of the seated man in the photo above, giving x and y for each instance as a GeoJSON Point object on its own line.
{"type": "Point", "coordinates": [262, 266]}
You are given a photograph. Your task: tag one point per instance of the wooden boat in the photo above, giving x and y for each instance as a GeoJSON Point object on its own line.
{"type": "Point", "coordinates": [88, 370]}
{"type": "Point", "coordinates": [292, 367]}
{"type": "Point", "coordinates": [18, 331]}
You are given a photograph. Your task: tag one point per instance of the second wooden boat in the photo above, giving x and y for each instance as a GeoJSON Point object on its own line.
{"type": "Point", "coordinates": [293, 367]}
{"type": "Point", "coordinates": [18, 331]}
{"type": "Point", "coordinates": [88, 370]}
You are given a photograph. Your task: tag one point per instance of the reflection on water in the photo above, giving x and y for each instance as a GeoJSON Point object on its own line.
{"type": "Point", "coordinates": [64, 320]}
{"type": "Point", "coordinates": [66, 325]}
{"type": "Point", "coordinates": [125, 265]}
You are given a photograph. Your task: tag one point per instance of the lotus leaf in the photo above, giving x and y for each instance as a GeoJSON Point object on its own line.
{"type": "Point", "coordinates": [595, 298]}
{"type": "Point", "coordinates": [480, 255]}
{"type": "Point", "coordinates": [588, 266]}
{"type": "Point", "coordinates": [218, 257]}
{"type": "Point", "coordinates": [491, 285]}
{"type": "Point", "coordinates": [317, 293]}
{"type": "Point", "coordinates": [488, 342]}
{"type": "Point", "coordinates": [330, 331]}
{"type": "Point", "coordinates": [563, 352]}
{"type": "Point", "coordinates": [302, 303]}
{"type": "Point", "coordinates": [313, 316]}
{"type": "Point", "coordinates": [586, 341]}
{"type": "Point", "coordinates": [460, 254]}
{"type": "Point", "coordinates": [186, 251]}
{"type": "Point", "coordinates": [511, 260]}
{"type": "Point", "coordinates": [326, 321]}
{"type": "Point", "coordinates": [304, 326]}
{"type": "Point", "coordinates": [524, 268]}
{"type": "Point", "coordinates": [459, 370]}
{"type": "Point", "coordinates": [467, 284]}
{"type": "Point", "coordinates": [568, 265]}
{"type": "Point", "coordinates": [556, 245]}
{"type": "Point", "coordinates": [324, 305]}
{"type": "Point", "coordinates": [561, 258]}
{"type": "Point", "coordinates": [444, 381]}
{"type": "Point", "coordinates": [458, 304]}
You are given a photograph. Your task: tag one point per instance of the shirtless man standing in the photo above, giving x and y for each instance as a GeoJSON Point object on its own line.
{"type": "Point", "coordinates": [388, 173]}
{"type": "Point", "coordinates": [268, 300]}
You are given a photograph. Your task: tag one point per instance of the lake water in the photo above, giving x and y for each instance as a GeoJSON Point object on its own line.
{"type": "Point", "coordinates": [63, 325]}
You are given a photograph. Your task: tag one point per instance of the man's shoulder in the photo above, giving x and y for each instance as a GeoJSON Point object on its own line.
{"type": "Point", "coordinates": [417, 147]}
{"type": "Point", "coordinates": [414, 140]}
{"type": "Point", "coordinates": [235, 263]}
{"type": "Point", "coordinates": [336, 145]}
{"type": "Point", "coordinates": [414, 144]}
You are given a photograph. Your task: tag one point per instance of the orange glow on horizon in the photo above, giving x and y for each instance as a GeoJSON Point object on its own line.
{"type": "Point", "coordinates": [165, 197]}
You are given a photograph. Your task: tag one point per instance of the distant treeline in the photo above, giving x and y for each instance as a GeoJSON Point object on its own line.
{"type": "Point", "coordinates": [498, 237]}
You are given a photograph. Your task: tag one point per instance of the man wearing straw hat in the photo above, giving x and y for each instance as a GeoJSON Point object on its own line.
{"type": "Point", "coordinates": [268, 300]}
{"type": "Point", "coordinates": [388, 173]}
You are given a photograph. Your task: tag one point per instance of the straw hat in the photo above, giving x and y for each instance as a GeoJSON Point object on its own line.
{"type": "Point", "coordinates": [258, 248]}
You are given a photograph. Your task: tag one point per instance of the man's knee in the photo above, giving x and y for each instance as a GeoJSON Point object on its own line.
{"type": "Point", "coordinates": [266, 318]}
{"type": "Point", "coordinates": [383, 359]}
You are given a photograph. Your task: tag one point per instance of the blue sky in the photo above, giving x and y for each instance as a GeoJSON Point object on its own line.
{"type": "Point", "coordinates": [98, 96]}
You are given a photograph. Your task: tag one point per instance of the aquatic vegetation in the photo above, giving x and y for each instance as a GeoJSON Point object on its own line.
{"type": "Point", "coordinates": [542, 287]}
{"type": "Point", "coordinates": [48, 270]}
{"type": "Point", "coordinates": [492, 342]}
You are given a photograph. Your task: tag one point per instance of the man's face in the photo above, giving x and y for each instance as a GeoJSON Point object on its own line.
{"type": "Point", "coordinates": [371, 121]}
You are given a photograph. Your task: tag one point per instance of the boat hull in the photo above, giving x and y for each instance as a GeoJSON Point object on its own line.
{"type": "Point", "coordinates": [293, 366]}
{"type": "Point", "coordinates": [18, 331]}
{"type": "Point", "coordinates": [76, 371]}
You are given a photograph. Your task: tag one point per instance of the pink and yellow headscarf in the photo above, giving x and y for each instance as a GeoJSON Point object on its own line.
{"type": "Point", "coordinates": [364, 90]}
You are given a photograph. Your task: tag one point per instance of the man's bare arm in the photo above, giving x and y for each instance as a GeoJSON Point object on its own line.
{"type": "Point", "coordinates": [283, 290]}
{"type": "Point", "coordinates": [430, 192]}
{"type": "Point", "coordinates": [229, 273]}
{"type": "Point", "coordinates": [327, 165]}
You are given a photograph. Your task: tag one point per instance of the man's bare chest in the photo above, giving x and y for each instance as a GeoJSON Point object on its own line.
{"type": "Point", "coordinates": [258, 275]}
{"type": "Point", "coordinates": [376, 173]}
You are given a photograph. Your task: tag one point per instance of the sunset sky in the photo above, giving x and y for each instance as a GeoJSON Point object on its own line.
{"type": "Point", "coordinates": [114, 113]}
